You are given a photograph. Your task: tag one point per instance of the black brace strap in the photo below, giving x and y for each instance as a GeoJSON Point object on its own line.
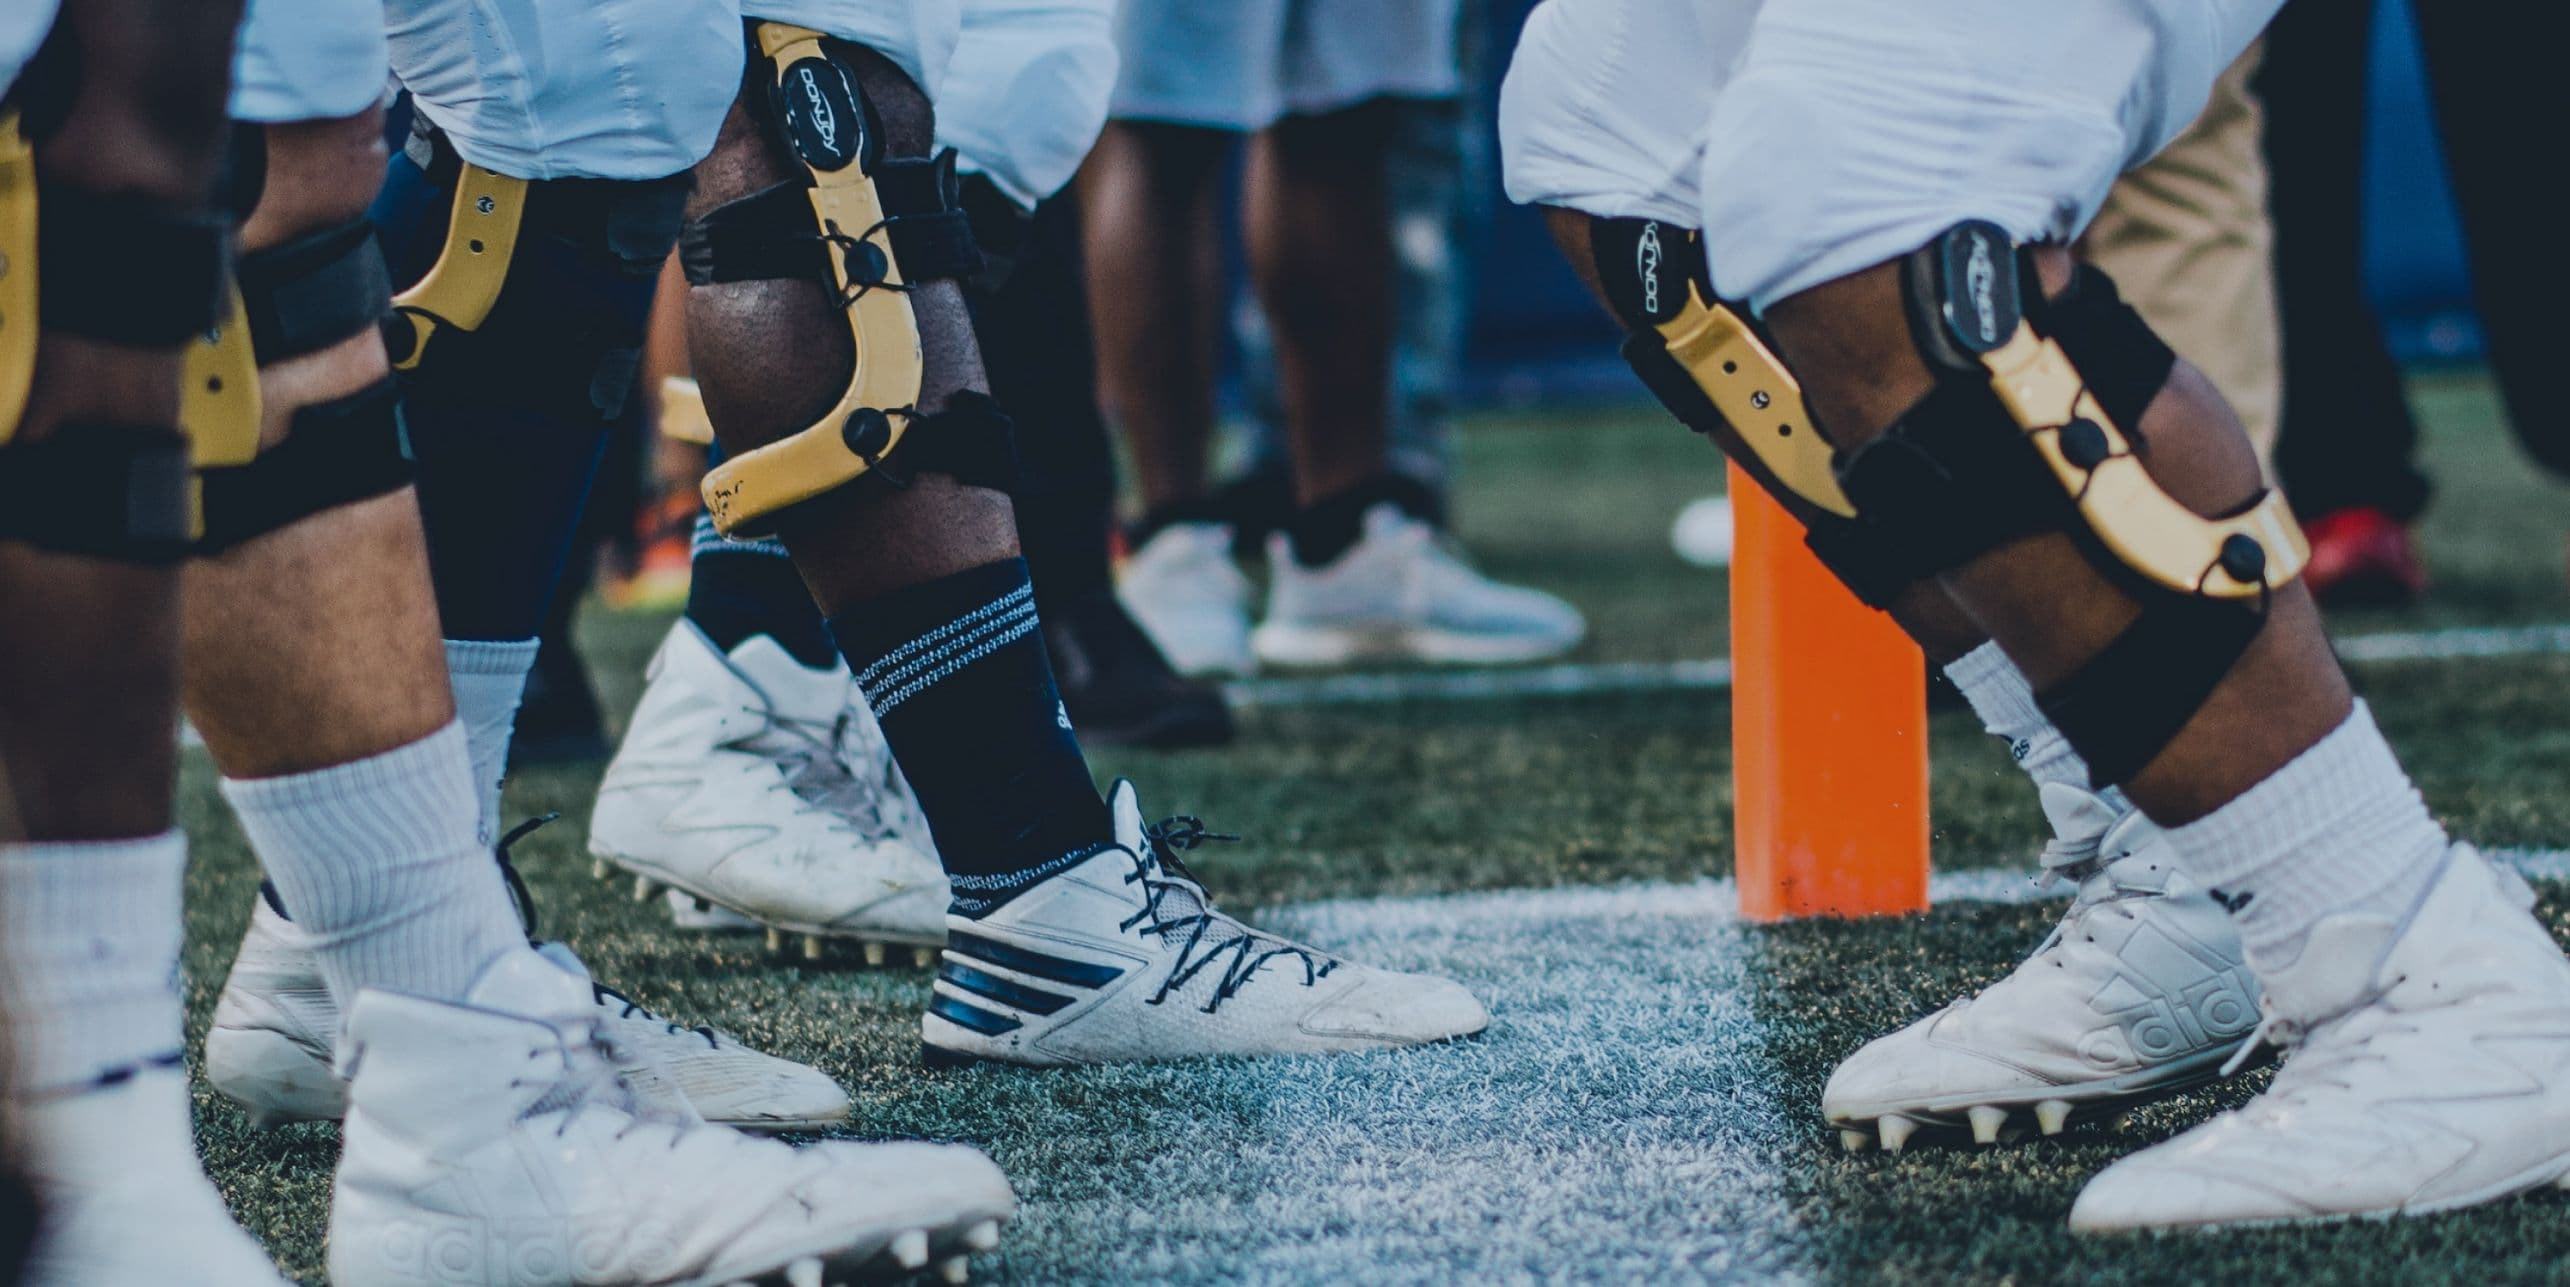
{"type": "Point", "coordinates": [338, 453]}
{"type": "Point", "coordinates": [770, 235]}
{"type": "Point", "coordinates": [1952, 481]}
{"type": "Point", "coordinates": [972, 441]}
{"type": "Point", "coordinates": [2124, 362]}
{"type": "Point", "coordinates": [110, 491]}
{"type": "Point", "coordinates": [127, 270]}
{"type": "Point", "coordinates": [315, 291]}
{"type": "Point", "coordinates": [2122, 707]}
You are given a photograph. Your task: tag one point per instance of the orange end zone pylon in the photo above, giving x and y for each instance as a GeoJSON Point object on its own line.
{"type": "Point", "coordinates": [1828, 733]}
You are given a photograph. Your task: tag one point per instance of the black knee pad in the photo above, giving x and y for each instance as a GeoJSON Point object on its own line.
{"type": "Point", "coordinates": [118, 270]}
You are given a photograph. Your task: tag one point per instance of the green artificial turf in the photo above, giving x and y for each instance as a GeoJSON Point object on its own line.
{"type": "Point", "coordinates": [1574, 1141]}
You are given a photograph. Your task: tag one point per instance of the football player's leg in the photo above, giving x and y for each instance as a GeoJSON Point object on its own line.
{"type": "Point", "coordinates": [115, 208]}
{"type": "Point", "coordinates": [2147, 591]}
{"type": "Point", "coordinates": [1605, 130]}
{"type": "Point", "coordinates": [1355, 575]}
{"type": "Point", "coordinates": [859, 374]}
{"type": "Point", "coordinates": [314, 672]}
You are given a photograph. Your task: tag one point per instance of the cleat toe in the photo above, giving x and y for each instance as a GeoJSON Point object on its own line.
{"type": "Point", "coordinates": [910, 1249]}
{"type": "Point", "coordinates": [1986, 1121]}
{"type": "Point", "coordinates": [1894, 1130]}
{"type": "Point", "coordinates": [2051, 1115]}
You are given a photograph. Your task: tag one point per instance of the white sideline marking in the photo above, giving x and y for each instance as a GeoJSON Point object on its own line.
{"type": "Point", "coordinates": [1714, 673]}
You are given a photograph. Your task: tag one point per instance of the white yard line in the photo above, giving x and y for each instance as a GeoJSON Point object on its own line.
{"type": "Point", "coordinates": [1714, 673]}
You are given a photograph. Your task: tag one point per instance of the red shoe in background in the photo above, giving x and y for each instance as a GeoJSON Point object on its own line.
{"type": "Point", "coordinates": [2363, 557]}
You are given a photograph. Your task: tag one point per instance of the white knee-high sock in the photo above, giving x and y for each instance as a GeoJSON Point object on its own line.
{"type": "Point", "coordinates": [1999, 694]}
{"type": "Point", "coordinates": [89, 944]}
{"type": "Point", "coordinates": [2339, 828]}
{"type": "Point", "coordinates": [378, 863]}
{"type": "Point", "coordinates": [489, 676]}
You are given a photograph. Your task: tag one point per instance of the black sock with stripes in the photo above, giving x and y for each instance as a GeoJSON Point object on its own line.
{"type": "Point", "coordinates": [957, 673]}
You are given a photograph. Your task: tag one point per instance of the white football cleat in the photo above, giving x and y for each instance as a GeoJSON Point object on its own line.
{"type": "Point", "coordinates": [125, 1200]}
{"type": "Point", "coordinates": [1123, 959]}
{"type": "Point", "coordinates": [1402, 594]}
{"type": "Point", "coordinates": [1183, 589]}
{"type": "Point", "coordinates": [730, 786]}
{"type": "Point", "coordinates": [269, 1048]}
{"type": "Point", "coordinates": [2139, 993]}
{"type": "Point", "coordinates": [486, 1146]}
{"type": "Point", "coordinates": [2426, 1067]}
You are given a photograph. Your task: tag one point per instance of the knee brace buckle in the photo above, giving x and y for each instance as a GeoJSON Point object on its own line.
{"type": "Point", "coordinates": [110, 491]}
{"type": "Point", "coordinates": [869, 228]}
{"type": "Point", "coordinates": [17, 274]}
{"type": "Point", "coordinates": [338, 453]}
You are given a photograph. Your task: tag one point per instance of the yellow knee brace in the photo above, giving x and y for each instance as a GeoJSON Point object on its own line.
{"type": "Point", "coordinates": [824, 121]}
{"type": "Point", "coordinates": [869, 228]}
{"type": "Point", "coordinates": [17, 274]}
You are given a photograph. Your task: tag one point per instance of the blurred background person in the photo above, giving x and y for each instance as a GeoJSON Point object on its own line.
{"type": "Point", "coordinates": [1358, 570]}
{"type": "Point", "coordinates": [2348, 453]}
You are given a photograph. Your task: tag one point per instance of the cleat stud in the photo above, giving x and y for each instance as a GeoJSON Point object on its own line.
{"type": "Point", "coordinates": [1986, 1121]}
{"type": "Point", "coordinates": [983, 1236]}
{"type": "Point", "coordinates": [812, 947]}
{"type": "Point", "coordinates": [1894, 1130]}
{"type": "Point", "coordinates": [645, 889]}
{"type": "Point", "coordinates": [923, 957]}
{"type": "Point", "coordinates": [955, 1269]}
{"type": "Point", "coordinates": [804, 1273]}
{"type": "Point", "coordinates": [2051, 1115]}
{"type": "Point", "coordinates": [874, 953]}
{"type": "Point", "coordinates": [775, 939]}
{"type": "Point", "coordinates": [702, 907]}
{"type": "Point", "coordinates": [1854, 1141]}
{"type": "Point", "coordinates": [601, 869]}
{"type": "Point", "coordinates": [910, 1249]}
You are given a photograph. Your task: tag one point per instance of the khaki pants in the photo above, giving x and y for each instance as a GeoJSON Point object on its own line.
{"type": "Point", "coordinates": [2187, 240]}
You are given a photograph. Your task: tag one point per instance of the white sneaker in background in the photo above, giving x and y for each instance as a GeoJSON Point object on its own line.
{"type": "Point", "coordinates": [731, 786]}
{"type": "Point", "coordinates": [270, 1046]}
{"type": "Point", "coordinates": [125, 1199]}
{"type": "Point", "coordinates": [1702, 534]}
{"type": "Point", "coordinates": [2139, 993]}
{"type": "Point", "coordinates": [2426, 1067]}
{"type": "Point", "coordinates": [1402, 594]}
{"type": "Point", "coordinates": [492, 1142]}
{"type": "Point", "coordinates": [1184, 590]}
{"type": "Point", "coordinates": [1123, 958]}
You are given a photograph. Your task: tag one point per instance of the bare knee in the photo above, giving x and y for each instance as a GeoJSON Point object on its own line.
{"type": "Point", "coordinates": [145, 113]}
{"type": "Point", "coordinates": [319, 174]}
